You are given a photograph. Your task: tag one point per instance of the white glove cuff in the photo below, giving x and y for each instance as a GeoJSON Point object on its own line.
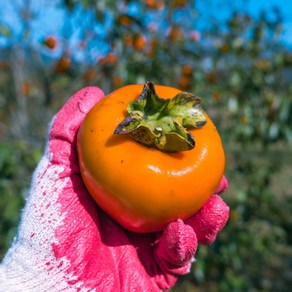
{"type": "Point", "coordinates": [26, 269]}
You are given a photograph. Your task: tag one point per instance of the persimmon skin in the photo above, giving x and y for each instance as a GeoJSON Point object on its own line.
{"type": "Point", "coordinates": [143, 188]}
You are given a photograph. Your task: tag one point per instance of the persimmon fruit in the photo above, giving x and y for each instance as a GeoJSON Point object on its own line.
{"type": "Point", "coordinates": [141, 187]}
{"type": "Point", "coordinates": [50, 42]}
{"type": "Point", "coordinates": [63, 65]}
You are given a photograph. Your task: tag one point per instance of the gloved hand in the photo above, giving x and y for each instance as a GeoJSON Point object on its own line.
{"type": "Point", "coordinates": [66, 243]}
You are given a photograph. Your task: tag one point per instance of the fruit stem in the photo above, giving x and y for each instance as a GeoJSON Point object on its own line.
{"type": "Point", "coordinates": [162, 123]}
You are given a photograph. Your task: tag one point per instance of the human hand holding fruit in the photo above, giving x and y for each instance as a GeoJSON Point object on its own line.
{"type": "Point", "coordinates": [65, 242]}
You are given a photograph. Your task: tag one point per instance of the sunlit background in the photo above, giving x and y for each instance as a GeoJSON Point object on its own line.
{"type": "Point", "coordinates": [236, 55]}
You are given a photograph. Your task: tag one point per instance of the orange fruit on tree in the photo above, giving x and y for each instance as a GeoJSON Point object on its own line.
{"type": "Point", "coordinates": [50, 42]}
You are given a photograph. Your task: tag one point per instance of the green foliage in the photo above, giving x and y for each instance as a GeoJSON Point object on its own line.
{"type": "Point", "coordinates": [241, 70]}
{"type": "Point", "coordinates": [17, 162]}
{"type": "Point", "coordinates": [254, 232]}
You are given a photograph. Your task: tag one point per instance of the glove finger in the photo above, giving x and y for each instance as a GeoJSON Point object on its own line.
{"type": "Point", "coordinates": [223, 185]}
{"type": "Point", "coordinates": [176, 247]}
{"type": "Point", "coordinates": [67, 121]}
{"type": "Point", "coordinates": [209, 220]}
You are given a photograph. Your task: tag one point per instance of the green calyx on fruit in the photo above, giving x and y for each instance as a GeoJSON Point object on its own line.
{"type": "Point", "coordinates": [163, 123]}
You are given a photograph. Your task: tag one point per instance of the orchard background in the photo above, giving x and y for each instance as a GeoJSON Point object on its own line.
{"type": "Point", "coordinates": [237, 61]}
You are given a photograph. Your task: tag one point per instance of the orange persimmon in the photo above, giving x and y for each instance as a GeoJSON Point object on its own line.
{"type": "Point", "coordinates": [144, 188]}
{"type": "Point", "coordinates": [63, 65]}
{"type": "Point", "coordinates": [50, 42]}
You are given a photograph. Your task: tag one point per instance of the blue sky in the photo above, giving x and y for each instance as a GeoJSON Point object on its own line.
{"type": "Point", "coordinates": [51, 19]}
{"type": "Point", "coordinates": [254, 7]}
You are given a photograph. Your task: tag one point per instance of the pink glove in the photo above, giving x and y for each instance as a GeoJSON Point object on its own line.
{"type": "Point", "coordinates": [66, 243]}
